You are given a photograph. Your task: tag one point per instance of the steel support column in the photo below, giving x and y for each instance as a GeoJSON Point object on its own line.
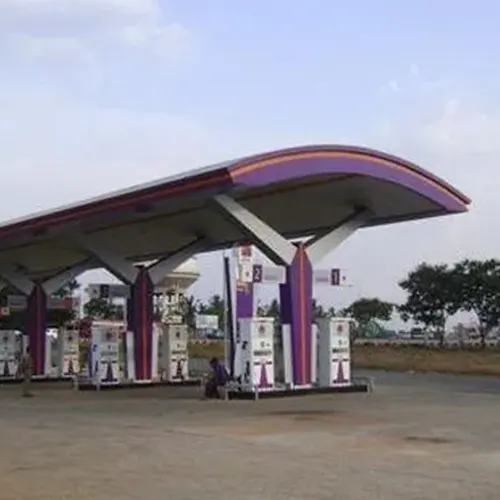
{"type": "Point", "coordinates": [296, 294]}
{"type": "Point", "coordinates": [36, 326]}
{"type": "Point", "coordinates": [141, 280]}
{"type": "Point", "coordinates": [140, 313]}
{"type": "Point", "coordinates": [37, 294]}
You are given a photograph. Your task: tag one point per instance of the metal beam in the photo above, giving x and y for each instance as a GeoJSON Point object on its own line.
{"type": "Point", "coordinates": [320, 246]}
{"type": "Point", "coordinates": [267, 239]}
{"type": "Point", "coordinates": [166, 265]}
{"type": "Point", "coordinates": [115, 264]}
{"type": "Point", "coordinates": [14, 277]}
{"type": "Point", "coordinates": [54, 283]}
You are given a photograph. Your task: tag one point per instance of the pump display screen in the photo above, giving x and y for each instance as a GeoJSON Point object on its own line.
{"type": "Point", "coordinates": [340, 350]}
{"type": "Point", "coordinates": [262, 352]}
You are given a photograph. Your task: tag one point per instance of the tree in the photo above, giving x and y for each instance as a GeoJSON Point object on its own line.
{"type": "Point", "coordinates": [215, 307]}
{"type": "Point", "coordinates": [103, 309]}
{"type": "Point", "coordinates": [16, 319]}
{"type": "Point", "coordinates": [331, 312]}
{"type": "Point", "coordinates": [478, 284]}
{"type": "Point", "coordinates": [271, 310]}
{"type": "Point", "coordinates": [366, 310]}
{"type": "Point", "coordinates": [433, 294]}
{"type": "Point", "coordinates": [318, 310]}
{"type": "Point", "coordinates": [189, 307]}
{"type": "Point", "coordinates": [56, 318]}
{"type": "Point", "coordinates": [67, 290]}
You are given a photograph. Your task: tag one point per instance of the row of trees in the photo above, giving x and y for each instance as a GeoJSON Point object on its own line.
{"type": "Point", "coordinates": [364, 310]}
{"type": "Point", "coordinates": [433, 294]}
{"type": "Point", "coordinates": [56, 317]}
{"type": "Point", "coordinates": [436, 292]}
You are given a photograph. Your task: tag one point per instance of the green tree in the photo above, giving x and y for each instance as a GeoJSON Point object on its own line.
{"type": "Point", "coordinates": [215, 306]}
{"type": "Point", "coordinates": [367, 310]}
{"type": "Point", "coordinates": [271, 311]}
{"type": "Point", "coordinates": [102, 308]}
{"type": "Point", "coordinates": [189, 307]}
{"type": "Point", "coordinates": [56, 318]}
{"type": "Point", "coordinates": [433, 294]}
{"type": "Point", "coordinates": [67, 290]}
{"type": "Point", "coordinates": [478, 284]}
{"type": "Point", "coordinates": [275, 310]}
{"type": "Point", "coordinates": [320, 312]}
{"type": "Point", "coordinates": [331, 312]}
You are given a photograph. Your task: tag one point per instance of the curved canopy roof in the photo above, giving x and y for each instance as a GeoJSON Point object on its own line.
{"type": "Point", "coordinates": [298, 191]}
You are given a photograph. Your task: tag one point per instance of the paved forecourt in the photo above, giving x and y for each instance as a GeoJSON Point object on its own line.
{"type": "Point", "coordinates": [415, 437]}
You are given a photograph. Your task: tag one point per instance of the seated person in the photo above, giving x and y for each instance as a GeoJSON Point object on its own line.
{"type": "Point", "coordinates": [218, 377]}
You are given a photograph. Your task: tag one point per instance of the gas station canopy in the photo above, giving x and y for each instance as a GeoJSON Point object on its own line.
{"type": "Point", "coordinates": [298, 192]}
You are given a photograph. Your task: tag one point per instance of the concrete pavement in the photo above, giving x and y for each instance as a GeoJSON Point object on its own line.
{"type": "Point", "coordinates": [416, 437]}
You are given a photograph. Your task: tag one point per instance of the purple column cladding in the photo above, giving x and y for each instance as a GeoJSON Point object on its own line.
{"type": "Point", "coordinates": [140, 321]}
{"type": "Point", "coordinates": [36, 327]}
{"type": "Point", "coordinates": [244, 300]}
{"type": "Point", "coordinates": [296, 310]}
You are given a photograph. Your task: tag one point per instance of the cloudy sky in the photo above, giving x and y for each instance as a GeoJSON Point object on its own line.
{"type": "Point", "coordinates": [96, 95]}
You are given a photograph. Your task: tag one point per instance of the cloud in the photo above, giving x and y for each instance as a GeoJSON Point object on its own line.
{"type": "Point", "coordinates": [394, 86]}
{"type": "Point", "coordinates": [454, 136]}
{"type": "Point", "coordinates": [435, 85]}
{"type": "Point", "coordinates": [458, 140]}
{"type": "Point", "coordinates": [58, 150]}
{"type": "Point", "coordinates": [415, 70]}
{"type": "Point", "coordinates": [83, 30]}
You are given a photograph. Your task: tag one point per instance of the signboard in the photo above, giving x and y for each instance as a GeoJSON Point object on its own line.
{"type": "Point", "coordinates": [19, 303]}
{"type": "Point", "coordinates": [116, 291]}
{"type": "Point", "coordinates": [332, 277]}
{"type": "Point", "coordinates": [108, 291]}
{"type": "Point", "coordinates": [243, 253]}
{"type": "Point", "coordinates": [172, 319]}
{"type": "Point", "coordinates": [244, 270]}
{"type": "Point", "coordinates": [322, 277]}
{"type": "Point", "coordinates": [16, 302]}
{"type": "Point", "coordinates": [207, 322]}
{"type": "Point", "coordinates": [268, 275]}
{"type": "Point", "coordinates": [338, 278]}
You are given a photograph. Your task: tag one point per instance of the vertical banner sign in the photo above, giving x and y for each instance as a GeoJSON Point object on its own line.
{"type": "Point", "coordinates": [244, 278]}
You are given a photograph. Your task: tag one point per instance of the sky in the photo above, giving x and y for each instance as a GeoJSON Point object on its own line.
{"type": "Point", "coordinates": [96, 95]}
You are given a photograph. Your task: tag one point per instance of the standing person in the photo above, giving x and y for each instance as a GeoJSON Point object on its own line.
{"type": "Point", "coordinates": [26, 373]}
{"type": "Point", "coordinates": [218, 377]}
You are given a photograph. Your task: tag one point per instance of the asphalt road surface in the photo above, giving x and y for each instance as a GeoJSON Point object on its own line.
{"type": "Point", "coordinates": [415, 437]}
